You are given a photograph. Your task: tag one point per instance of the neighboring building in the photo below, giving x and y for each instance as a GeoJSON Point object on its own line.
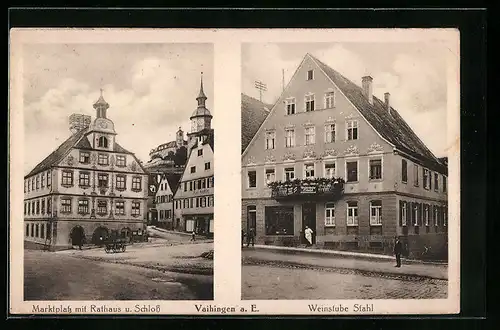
{"type": "Point", "coordinates": [88, 187]}
{"type": "Point", "coordinates": [194, 198]}
{"type": "Point", "coordinates": [253, 113]}
{"type": "Point", "coordinates": [164, 201]}
{"type": "Point", "coordinates": [333, 157]}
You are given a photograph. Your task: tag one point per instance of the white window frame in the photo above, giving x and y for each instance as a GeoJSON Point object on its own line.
{"type": "Point", "coordinates": [329, 100]}
{"type": "Point", "coordinates": [270, 136]}
{"type": "Point", "coordinates": [305, 170]}
{"type": "Point", "coordinates": [330, 220]}
{"type": "Point", "coordinates": [425, 178]}
{"type": "Point", "coordinates": [312, 75]}
{"type": "Point", "coordinates": [328, 131]}
{"type": "Point", "coordinates": [349, 160]}
{"type": "Point", "coordinates": [354, 218]}
{"type": "Point", "coordinates": [310, 97]}
{"type": "Point", "coordinates": [351, 124]}
{"type": "Point", "coordinates": [404, 214]}
{"type": "Point", "coordinates": [289, 102]}
{"type": "Point", "coordinates": [334, 162]}
{"type": "Point", "coordinates": [266, 180]}
{"type": "Point", "coordinates": [285, 171]}
{"type": "Point", "coordinates": [377, 219]}
{"type": "Point", "coordinates": [292, 138]}
{"type": "Point", "coordinates": [377, 157]}
{"type": "Point", "coordinates": [426, 215]}
{"type": "Point", "coordinates": [309, 138]}
{"type": "Point", "coordinates": [415, 210]}
{"type": "Point", "coordinates": [436, 220]}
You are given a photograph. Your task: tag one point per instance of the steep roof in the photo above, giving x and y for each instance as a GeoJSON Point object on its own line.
{"type": "Point", "coordinates": [391, 126]}
{"type": "Point", "coordinates": [253, 113]}
{"type": "Point", "coordinates": [210, 139]}
{"type": "Point", "coordinates": [57, 154]}
{"type": "Point", "coordinates": [173, 180]}
{"type": "Point", "coordinates": [76, 140]}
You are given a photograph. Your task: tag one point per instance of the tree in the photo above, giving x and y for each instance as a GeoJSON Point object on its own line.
{"type": "Point", "coordinates": [180, 156]}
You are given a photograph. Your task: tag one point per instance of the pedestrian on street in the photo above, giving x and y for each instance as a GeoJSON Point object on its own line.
{"type": "Point", "coordinates": [251, 237]}
{"type": "Point", "coordinates": [398, 249]}
{"type": "Point", "coordinates": [242, 238]}
{"type": "Point", "coordinates": [193, 236]}
{"type": "Point", "coordinates": [308, 234]}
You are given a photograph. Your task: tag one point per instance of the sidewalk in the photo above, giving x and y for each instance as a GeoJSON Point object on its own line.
{"type": "Point", "coordinates": [363, 262]}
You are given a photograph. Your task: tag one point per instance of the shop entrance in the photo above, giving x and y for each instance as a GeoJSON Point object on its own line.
{"type": "Point", "coordinates": [308, 219]}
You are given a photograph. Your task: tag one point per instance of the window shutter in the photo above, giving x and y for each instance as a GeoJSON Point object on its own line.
{"type": "Point", "coordinates": [420, 214]}
{"type": "Point", "coordinates": [408, 214]}
{"type": "Point", "coordinates": [401, 213]}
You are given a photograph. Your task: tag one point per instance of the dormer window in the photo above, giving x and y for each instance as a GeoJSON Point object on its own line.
{"type": "Point", "coordinates": [102, 142]}
{"type": "Point", "coordinates": [310, 75]}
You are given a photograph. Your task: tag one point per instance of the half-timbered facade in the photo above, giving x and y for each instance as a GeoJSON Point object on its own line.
{"type": "Point", "coordinates": [89, 188]}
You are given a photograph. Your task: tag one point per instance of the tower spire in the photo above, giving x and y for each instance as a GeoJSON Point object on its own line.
{"type": "Point", "coordinates": [201, 96]}
{"type": "Point", "coordinates": [101, 106]}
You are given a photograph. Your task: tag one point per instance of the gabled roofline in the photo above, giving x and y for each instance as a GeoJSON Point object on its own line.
{"type": "Point", "coordinates": [342, 93]}
{"type": "Point", "coordinates": [273, 108]}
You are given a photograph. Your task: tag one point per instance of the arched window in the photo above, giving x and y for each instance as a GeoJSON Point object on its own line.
{"type": "Point", "coordinates": [103, 142]}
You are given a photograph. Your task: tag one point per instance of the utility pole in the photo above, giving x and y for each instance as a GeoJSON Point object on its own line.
{"type": "Point", "coordinates": [261, 87]}
{"type": "Point", "coordinates": [282, 80]}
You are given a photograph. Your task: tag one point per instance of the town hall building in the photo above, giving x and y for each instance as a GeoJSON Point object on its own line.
{"type": "Point", "coordinates": [89, 188]}
{"type": "Point", "coordinates": [333, 157]}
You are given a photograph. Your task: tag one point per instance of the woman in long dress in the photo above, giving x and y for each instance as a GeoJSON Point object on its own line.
{"type": "Point", "coordinates": [308, 234]}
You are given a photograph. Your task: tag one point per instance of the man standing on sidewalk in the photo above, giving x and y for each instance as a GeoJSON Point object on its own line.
{"type": "Point", "coordinates": [250, 237]}
{"type": "Point", "coordinates": [398, 249]}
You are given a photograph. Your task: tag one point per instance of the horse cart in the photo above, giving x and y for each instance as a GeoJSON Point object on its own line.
{"type": "Point", "coordinates": [114, 245]}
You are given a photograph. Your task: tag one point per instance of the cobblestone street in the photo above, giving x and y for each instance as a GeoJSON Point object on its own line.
{"type": "Point", "coordinates": [311, 277]}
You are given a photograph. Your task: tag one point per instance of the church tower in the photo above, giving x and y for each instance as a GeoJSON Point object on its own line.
{"type": "Point", "coordinates": [179, 138]}
{"type": "Point", "coordinates": [102, 131]}
{"type": "Point", "coordinates": [201, 118]}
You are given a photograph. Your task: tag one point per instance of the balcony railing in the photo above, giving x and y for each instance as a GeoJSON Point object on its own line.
{"type": "Point", "coordinates": [333, 189]}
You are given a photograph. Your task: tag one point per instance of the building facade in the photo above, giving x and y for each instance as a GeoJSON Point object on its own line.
{"type": "Point", "coordinates": [89, 188]}
{"type": "Point", "coordinates": [194, 197]}
{"type": "Point", "coordinates": [164, 201]}
{"type": "Point", "coordinates": [333, 157]}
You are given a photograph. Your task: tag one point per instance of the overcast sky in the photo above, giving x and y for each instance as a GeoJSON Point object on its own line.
{"type": "Point", "coordinates": [414, 74]}
{"type": "Point", "coordinates": [151, 89]}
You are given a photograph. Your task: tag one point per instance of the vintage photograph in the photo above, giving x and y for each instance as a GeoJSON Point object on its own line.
{"type": "Point", "coordinates": [344, 163]}
{"type": "Point", "coordinates": [118, 171]}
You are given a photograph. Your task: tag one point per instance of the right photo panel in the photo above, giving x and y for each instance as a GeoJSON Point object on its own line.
{"type": "Point", "coordinates": [344, 171]}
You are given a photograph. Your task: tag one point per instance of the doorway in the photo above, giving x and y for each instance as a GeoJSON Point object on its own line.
{"type": "Point", "coordinates": [77, 236]}
{"type": "Point", "coordinates": [308, 219]}
{"type": "Point", "coordinates": [252, 218]}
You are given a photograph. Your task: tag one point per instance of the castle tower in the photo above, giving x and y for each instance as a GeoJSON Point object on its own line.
{"type": "Point", "coordinates": [179, 138]}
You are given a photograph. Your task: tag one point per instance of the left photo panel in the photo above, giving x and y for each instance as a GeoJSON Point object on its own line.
{"type": "Point", "coordinates": [118, 172]}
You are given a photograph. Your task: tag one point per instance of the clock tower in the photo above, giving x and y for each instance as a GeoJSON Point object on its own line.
{"type": "Point", "coordinates": [102, 132]}
{"type": "Point", "coordinates": [201, 118]}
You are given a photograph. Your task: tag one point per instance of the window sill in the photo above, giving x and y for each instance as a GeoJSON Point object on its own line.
{"type": "Point", "coordinates": [348, 182]}
{"type": "Point", "coordinates": [84, 187]}
{"type": "Point", "coordinates": [85, 163]}
{"type": "Point", "coordinates": [352, 225]}
{"type": "Point", "coordinates": [121, 189]}
{"type": "Point", "coordinates": [136, 190]}
{"type": "Point", "coordinates": [67, 185]}
{"type": "Point", "coordinates": [375, 180]}
{"type": "Point", "coordinates": [329, 226]}
{"type": "Point", "coordinates": [83, 213]}
{"type": "Point", "coordinates": [405, 182]}
{"type": "Point", "coordinates": [119, 214]}
{"type": "Point", "coordinates": [375, 225]}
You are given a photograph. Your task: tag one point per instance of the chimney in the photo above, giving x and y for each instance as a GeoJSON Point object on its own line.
{"type": "Point", "coordinates": [387, 102]}
{"type": "Point", "coordinates": [366, 83]}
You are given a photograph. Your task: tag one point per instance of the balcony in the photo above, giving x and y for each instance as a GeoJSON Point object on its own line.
{"type": "Point", "coordinates": [312, 189]}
